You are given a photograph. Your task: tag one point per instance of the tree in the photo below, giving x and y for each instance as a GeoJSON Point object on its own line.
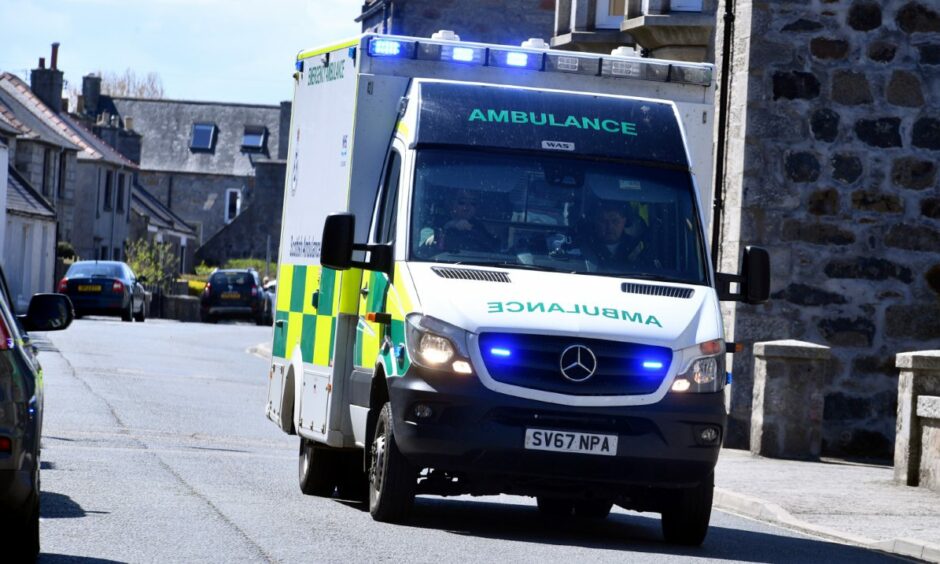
{"type": "Point", "coordinates": [129, 84]}
{"type": "Point", "coordinates": [157, 262]}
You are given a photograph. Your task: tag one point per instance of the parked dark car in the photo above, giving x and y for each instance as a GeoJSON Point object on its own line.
{"type": "Point", "coordinates": [100, 287]}
{"type": "Point", "coordinates": [233, 294]}
{"type": "Point", "coordinates": [21, 412]}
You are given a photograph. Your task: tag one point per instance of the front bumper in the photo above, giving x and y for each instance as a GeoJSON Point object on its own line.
{"type": "Point", "coordinates": [100, 304]}
{"type": "Point", "coordinates": [480, 433]}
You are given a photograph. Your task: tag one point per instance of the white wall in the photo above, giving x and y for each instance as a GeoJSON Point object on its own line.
{"type": "Point", "coordinates": [28, 257]}
{"type": "Point", "coordinates": [4, 180]}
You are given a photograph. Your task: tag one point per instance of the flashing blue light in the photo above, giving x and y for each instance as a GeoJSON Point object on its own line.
{"type": "Point", "coordinates": [496, 351]}
{"type": "Point", "coordinates": [462, 54]}
{"type": "Point", "coordinates": [384, 48]}
{"type": "Point", "coordinates": [517, 59]}
{"type": "Point", "coordinates": [652, 365]}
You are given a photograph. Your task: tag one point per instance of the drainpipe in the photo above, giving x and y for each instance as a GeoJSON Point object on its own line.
{"type": "Point", "coordinates": [723, 110]}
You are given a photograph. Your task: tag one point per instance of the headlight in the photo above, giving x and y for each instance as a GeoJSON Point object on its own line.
{"type": "Point", "coordinates": [433, 343]}
{"type": "Point", "coordinates": [705, 373]}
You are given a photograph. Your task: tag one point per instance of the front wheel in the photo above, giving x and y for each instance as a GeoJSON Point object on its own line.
{"type": "Point", "coordinates": [554, 507]}
{"type": "Point", "coordinates": [687, 513]}
{"type": "Point", "coordinates": [317, 469]}
{"type": "Point", "coordinates": [392, 479]}
{"type": "Point", "coordinates": [595, 509]}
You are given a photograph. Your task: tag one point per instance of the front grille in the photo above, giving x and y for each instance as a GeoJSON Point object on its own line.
{"type": "Point", "coordinates": [535, 361]}
{"type": "Point", "coordinates": [471, 274]}
{"type": "Point", "coordinates": [651, 290]}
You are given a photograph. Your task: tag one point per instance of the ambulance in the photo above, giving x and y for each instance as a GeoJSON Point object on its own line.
{"type": "Point", "coordinates": [493, 278]}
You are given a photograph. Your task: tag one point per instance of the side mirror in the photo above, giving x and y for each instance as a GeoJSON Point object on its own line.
{"type": "Point", "coordinates": [338, 244]}
{"type": "Point", "coordinates": [48, 312]}
{"type": "Point", "coordinates": [753, 281]}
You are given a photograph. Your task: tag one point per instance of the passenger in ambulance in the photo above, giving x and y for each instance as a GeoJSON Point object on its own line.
{"type": "Point", "coordinates": [614, 242]}
{"type": "Point", "coordinates": [463, 231]}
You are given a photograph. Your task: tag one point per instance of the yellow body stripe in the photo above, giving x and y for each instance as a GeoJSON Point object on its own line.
{"type": "Point", "coordinates": [294, 325]}
{"type": "Point", "coordinates": [314, 52]}
{"type": "Point", "coordinates": [321, 351]}
{"type": "Point", "coordinates": [349, 291]}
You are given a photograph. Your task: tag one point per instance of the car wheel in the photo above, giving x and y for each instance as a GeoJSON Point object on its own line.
{"type": "Point", "coordinates": [317, 468]}
{"type": "Point", "coordinates": [24, 526]}
{"type": "Point", "coordinates": [687, 513]}
{"type": "Point", "coordinates": [392, 479]}
{"type": "Point", "coordinates": [141, 316]}
{"type": "Point", "coordinates": [128, 314]}
{"type": "Point", "coordinates": [554, 507]}
{"type": "Point", "coordinates": [592, 508]}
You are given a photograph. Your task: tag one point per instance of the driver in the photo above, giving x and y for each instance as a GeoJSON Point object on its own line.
{"type": "Point", "coordinates": [463, 231]}
{"type": "Point", "coordinates": [614, 243]}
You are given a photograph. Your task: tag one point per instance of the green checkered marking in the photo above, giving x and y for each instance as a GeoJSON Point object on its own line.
{"type": "Point", "coordinates": [308, 335]}
{"type": "Point", "coordinates": [308, 328]}
{"type": "Point", "coordinates": [280, 334]}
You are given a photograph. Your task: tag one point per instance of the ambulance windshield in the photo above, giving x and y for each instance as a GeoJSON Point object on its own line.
{"type": "Point", "coordinates": [556, 213]}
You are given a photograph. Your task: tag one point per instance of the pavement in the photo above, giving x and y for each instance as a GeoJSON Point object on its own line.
{"type": "Point", "coordinates": [847, 502]}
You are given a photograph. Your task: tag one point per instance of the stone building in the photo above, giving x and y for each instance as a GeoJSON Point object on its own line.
{"type": "Point", "coordinates": [835, 133]}
{"type": "Point", "coordinates": [486, 21]}
{"type": "Point", "coordinates": [154, 222]}
{"type": "Point", "coordinates": [199, 159]}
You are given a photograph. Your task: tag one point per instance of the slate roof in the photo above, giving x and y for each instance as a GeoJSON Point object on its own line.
{"type": "Point", "coordinates": [24, 200]}
{"type": "Point", "coordinates": [144, 203]}
{"type": "Point", "coordinates": [166, 130]}
{"type": "Point", "coordinates": [32, 116]}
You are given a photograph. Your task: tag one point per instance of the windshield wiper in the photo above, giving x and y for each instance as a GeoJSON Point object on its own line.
{"type": "Point", "coordinates": [643, 276]}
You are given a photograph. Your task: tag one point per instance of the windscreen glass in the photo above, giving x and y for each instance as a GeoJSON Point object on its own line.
{"type": "Point", "coordinates": [231, 279]}
{"type": "Point", "coordinates": [95, 270]}
{"type": "Point", "coordinates": [555, 213]}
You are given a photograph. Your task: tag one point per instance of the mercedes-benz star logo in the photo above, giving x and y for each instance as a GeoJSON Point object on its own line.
{"type": "Point", "coordinates": [578, 363]}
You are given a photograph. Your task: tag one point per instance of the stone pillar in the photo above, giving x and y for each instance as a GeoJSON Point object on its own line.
{"type": "Point", "coordinates": [787, 408]}
{"type": "Point", "coordinates": [920, 376]}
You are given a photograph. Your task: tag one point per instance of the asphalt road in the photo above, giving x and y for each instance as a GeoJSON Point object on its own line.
{"type": "Point", "coordinates": [156, 448]}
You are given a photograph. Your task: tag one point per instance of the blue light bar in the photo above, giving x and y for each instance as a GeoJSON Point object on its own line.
{"type": "Point", "coordinates": [496, 351]}
{"type": "Point", "coordinates": [652, 365]}
{"type": "Point", "coordinates": [384, 48]}
{"type": "Point", "coordinates": [462, 54]}
{"type": "Point", "coordinates": [517, 59]}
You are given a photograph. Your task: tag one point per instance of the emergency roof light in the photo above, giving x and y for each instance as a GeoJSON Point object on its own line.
{"type": "Point", "coordinates": [535, 55]}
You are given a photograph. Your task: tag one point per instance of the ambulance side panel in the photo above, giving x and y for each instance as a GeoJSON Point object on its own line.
{"type": "Point", "coordinates": [317, 184]}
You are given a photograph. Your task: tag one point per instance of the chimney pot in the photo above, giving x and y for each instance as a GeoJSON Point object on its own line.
{"type": "Point", "coordinates": [42, 62]}
{"type": "Point", "coordinates": [55, 56]}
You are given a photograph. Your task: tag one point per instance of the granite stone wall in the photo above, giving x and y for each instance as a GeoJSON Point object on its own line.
{"type": "Point", "coordinates": [833, 150]}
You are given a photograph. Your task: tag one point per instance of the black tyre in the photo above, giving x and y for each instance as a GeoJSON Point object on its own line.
{"type": "Point", "coordinates": [555, 507]}
{"type": "Point", "coordinates": [23, 529]}
{"type": "Point", "coordinates": [318, 469]}
{"type": "Point", "coordinates": [354, 481]}
{"type": "Point", "coordinates": [592, 508]}
{"type": "Point", "coordinates": [687, 513]}
{"type": "Point", "coordinates": [128, 313]}
{"type": "Point", "coordinates": [141, 316]}
{"type": "Point", "coordinates": [392, 479]}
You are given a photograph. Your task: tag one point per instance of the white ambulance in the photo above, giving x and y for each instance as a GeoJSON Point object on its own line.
{"type": "Point", "coordinates": [493, 278]}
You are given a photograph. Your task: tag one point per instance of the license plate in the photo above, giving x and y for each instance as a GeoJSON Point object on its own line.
{"type": "Point", "coordinates": [231, 295]}
{"type": "Point", "coordinates": [89, 288]}
{"type": "Point", "coordinates": [564, 441]}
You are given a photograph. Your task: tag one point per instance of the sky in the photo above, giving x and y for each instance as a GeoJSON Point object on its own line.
{"type": "Point", "coordinates": [220, 50]}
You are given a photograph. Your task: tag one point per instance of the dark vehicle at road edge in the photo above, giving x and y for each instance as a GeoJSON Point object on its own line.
{"type": "Point", "coordinates": [21, 415]}
{"type": "Point", "coordinates": [234, 293]}
{"type": "Point", "coordinates": [105, 288]}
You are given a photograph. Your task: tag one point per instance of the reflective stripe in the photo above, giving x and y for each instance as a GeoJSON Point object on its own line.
{"type": "Point", "coordinates": [314, 52]}
{"type": "Point", "coordinates": [313, 329]}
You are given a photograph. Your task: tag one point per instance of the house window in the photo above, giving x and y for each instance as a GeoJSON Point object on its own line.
{"type": "Point", "coordinates": [203, 137]}
{"type": "Point", "coordinates": [609, 14]}
{"type": "Point", "coordinates": [62, 176]}
{"type": "Point", "coordinates": [120, 194]}
{"type": "Point", "coordinates": [108, 190]}
{"type": "Point", "coordinates": [253, 138]}
{"type": "Point", "coordinates": [104, 253]}
{"type": "Point", "coordinates": [233, 203]}
{"type": "Point", "coordinates": [46, 171]}
{"type": "Point", "coordinates": [117, 253]}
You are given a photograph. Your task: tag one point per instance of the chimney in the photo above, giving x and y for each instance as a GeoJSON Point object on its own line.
{"type": "Point", "coordinates": [283, 133]}
{"type": "Point", "coordinates": [91, 92]}
{"type": "Point", "coordinates": [129, 123]}
{"type": "Point", "coordinates": [47, 83]}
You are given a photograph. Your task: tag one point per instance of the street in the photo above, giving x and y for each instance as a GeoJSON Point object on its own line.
{"type": "Point", "coordinates": [156, 448]}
